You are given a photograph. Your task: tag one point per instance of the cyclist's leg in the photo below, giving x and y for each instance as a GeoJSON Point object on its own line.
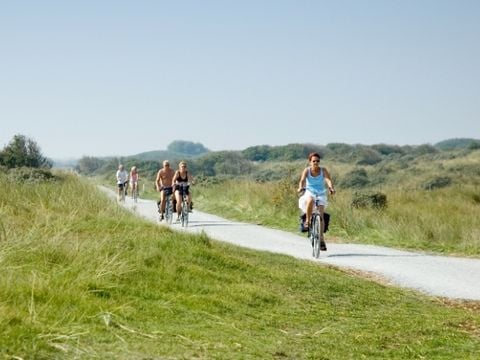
{"type": "Point", "coordinates": [309, 211]}
{"type": "Point", "coordinates": [162, 202]}
{"type": "Point", "coordinates": [321, 208]}
{"type": "Point", "coordinates": [323, 246]}
{"type": "Point", "coordinates": [189, 200]}
{"type": "Point", "coordinates": [178, 198]}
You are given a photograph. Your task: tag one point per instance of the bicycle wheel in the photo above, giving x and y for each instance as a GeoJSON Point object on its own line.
{"type": "Point", "coordinates": [135, 195]}
{"type": "Point", "coordinates": [185, 212]}
{"type": "Point", "coordinates": [315, 233]}
{"type": "Point", "coordinates": [168, 210]}
{"type": "Point", "coordinates": [122, 194]}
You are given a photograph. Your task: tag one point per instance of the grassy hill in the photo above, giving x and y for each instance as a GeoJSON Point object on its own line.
{"type": "Point", "coordinates": [84, 279]}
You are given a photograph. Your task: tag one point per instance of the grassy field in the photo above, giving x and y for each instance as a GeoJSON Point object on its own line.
{"type": "Point", "coordinates": [440, 221]}
{"type": "Point", "coordinates": [83, 279]}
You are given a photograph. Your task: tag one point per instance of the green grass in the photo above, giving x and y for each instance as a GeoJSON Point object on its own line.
{"type": "Point", "coordinates": [84, 279]}
{"type": "Point", "coordinates": [441, 221]}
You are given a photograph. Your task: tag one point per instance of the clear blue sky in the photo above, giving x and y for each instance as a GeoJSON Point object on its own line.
{"type": "Point", "coordinates": [104, 77]}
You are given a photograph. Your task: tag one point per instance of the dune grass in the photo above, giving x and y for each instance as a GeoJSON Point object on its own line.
{"type": "Point", "coordinates": [441, 221]}
{"type": "Point", "coordinates": [81, 278]}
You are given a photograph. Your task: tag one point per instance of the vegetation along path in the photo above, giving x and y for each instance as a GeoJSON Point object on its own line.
{"type": "Point", "coordinates": [451, 277]}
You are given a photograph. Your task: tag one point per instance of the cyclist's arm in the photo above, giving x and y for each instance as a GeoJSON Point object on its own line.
{"type": "Point", "coordinates": [301, 184]}
{"type": "Point", "coordinates": [158, 180]}
{"type": "Point", "coordinates": [328, 180]}
{"type": "Point", "coordinates": [175, 177]}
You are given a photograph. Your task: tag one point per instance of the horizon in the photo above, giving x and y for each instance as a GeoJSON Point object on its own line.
{"type": "Point", "coordinates": [210, 150]}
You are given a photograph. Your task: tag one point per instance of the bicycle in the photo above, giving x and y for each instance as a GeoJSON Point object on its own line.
{"type": "Point", "coordinates": [183, 189]}
{"type": "Point", "coordinates": [135, 192]}
{"type": "Point", "coordinates": [167, 192]}
{"type": "Point", "coordinates": [315, 229]}
{"type": "Point", "coordinates": [121, 193]}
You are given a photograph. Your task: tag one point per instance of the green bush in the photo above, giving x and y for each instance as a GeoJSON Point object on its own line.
{"type": "Point", "coordinates": [357, 178]}
{"type": "Point", "coordinates": [437, 183]}
{"type": "Point", "coordinates": [30, 175]}
{"type": "Point", "coordinates": [369, 200]}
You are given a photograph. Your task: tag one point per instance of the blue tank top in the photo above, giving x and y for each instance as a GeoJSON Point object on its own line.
{"type": "Point", "coordinates": [316, 184]}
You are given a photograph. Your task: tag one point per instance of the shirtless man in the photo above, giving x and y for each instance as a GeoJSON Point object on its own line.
{"type": "Point", "coordinates": [164, 181]}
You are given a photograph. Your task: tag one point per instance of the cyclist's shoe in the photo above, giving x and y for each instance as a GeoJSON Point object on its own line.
{"type": "Point", "coordinates": [162, 217]}
{"type": "Point", "coordinates": [178, 218]}
{"type": "Point", "coordinates": [303, 227]}
{"type": "Point", "coordinates": [323, 246]}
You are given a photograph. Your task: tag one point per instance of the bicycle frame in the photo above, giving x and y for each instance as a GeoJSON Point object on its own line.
{"type": "Point", "coordinates": [183, 189]}
{"type": "Point", "coordinates": [167, 193]}
{"type": "Point", "coordinates": [316, 228]}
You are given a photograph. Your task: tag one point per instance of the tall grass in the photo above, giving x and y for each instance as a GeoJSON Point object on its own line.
{"type": "Point", "coordinates": [442, 220]}
{"type": "Point", "coordinates": [83, 279]}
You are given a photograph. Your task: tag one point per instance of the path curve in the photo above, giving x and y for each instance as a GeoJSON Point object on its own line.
{"type": "Point", "coordinates": [451, 277]}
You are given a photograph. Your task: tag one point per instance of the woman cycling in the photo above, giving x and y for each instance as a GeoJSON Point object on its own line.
{"type": "Point", "coordinates": [182, 176]}
{"type": "Point", "coordinates": [313, 180]}
{"type": "Point", "coordinates": [133, 179]}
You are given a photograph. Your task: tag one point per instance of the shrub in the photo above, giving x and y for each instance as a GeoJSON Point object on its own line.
{"type": "Point", "coordinates": [437, 183]}
{"type": "Point", "coordinates": [30, 175]}
{"type": "Point", "coordinates": [369, 200]}
{"type": "Point", "coordinates": [356, 178]}
{"type": "Point", "coordinates": [23, 151]}
{"type": "Point", "coordinates": [368, 156]}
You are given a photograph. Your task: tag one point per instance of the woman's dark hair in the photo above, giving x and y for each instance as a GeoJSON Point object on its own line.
{"type": "Point", "coordinates": [313, 154]}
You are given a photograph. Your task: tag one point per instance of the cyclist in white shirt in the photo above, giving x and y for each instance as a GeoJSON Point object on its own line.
{"type": "Point", "coordinates": [122, 180]}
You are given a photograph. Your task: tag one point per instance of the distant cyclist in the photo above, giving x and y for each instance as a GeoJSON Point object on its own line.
{"type": "Point", "coordinates": [313, 180]}
{"type": "Point", "coordinates": [164, 181]}
{"type": "Point", "coordinates": [134, 179]}
{"type": "Point", "coordinates": [182, 176]}
{"type": "Point", "coordinates": [122, 180]}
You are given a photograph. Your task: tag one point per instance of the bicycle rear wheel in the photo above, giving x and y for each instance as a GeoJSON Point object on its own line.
{"type": "Point", "coordinates": [315, 234]}
{"type": "Point", "coordinates": [185, 212]}
{"type": "Point", "coordinates": [169, 210]}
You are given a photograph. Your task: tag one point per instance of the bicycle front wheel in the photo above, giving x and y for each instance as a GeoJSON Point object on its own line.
{"type": "Point", "coordinates": [315, 234]}
{"type": "Point", "coordinates": [184, 212]}
{"type": "Point", "coordinates": [169, 211]}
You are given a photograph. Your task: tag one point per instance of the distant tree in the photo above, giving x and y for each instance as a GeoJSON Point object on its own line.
{"type": "Point", "coordinates": [257, 153]}
{"type": "Point", "coordinates": [88, 164]}
{"type": "Point", "coordinates": [187, 147]}
{"type": "Point", "coordinates": [283, 153]}
{"type": "Point", "coordinates": [357, 178]}
{"type": "Point", "coordinates": [23, 151]}
{"type": "Point", "coordinates": [425, 149]}
{"type": "Point", "coordinates": [474, 145]}
{"type": "Point", "coordinates": [368, 156]}
{"type": "Point", "coordinates": [386, 149]}
{"type": "Point", "coordinates": [222, 163]}
{"type": "Point", "coordinates": [457, 143]}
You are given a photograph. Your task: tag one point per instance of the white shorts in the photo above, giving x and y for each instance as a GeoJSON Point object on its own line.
{"type": "Point", "coordinates": [302, 201]}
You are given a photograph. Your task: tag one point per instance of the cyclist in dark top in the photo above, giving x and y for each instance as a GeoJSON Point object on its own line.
{"type": "Point", "coordinates": [182, 176]}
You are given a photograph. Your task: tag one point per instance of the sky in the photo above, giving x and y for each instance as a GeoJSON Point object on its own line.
{"type": "Point", "coordinates": [106, 78]}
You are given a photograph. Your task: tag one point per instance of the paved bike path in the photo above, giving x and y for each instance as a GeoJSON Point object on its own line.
{"type": "Point", "coordinates": [451, 277]}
